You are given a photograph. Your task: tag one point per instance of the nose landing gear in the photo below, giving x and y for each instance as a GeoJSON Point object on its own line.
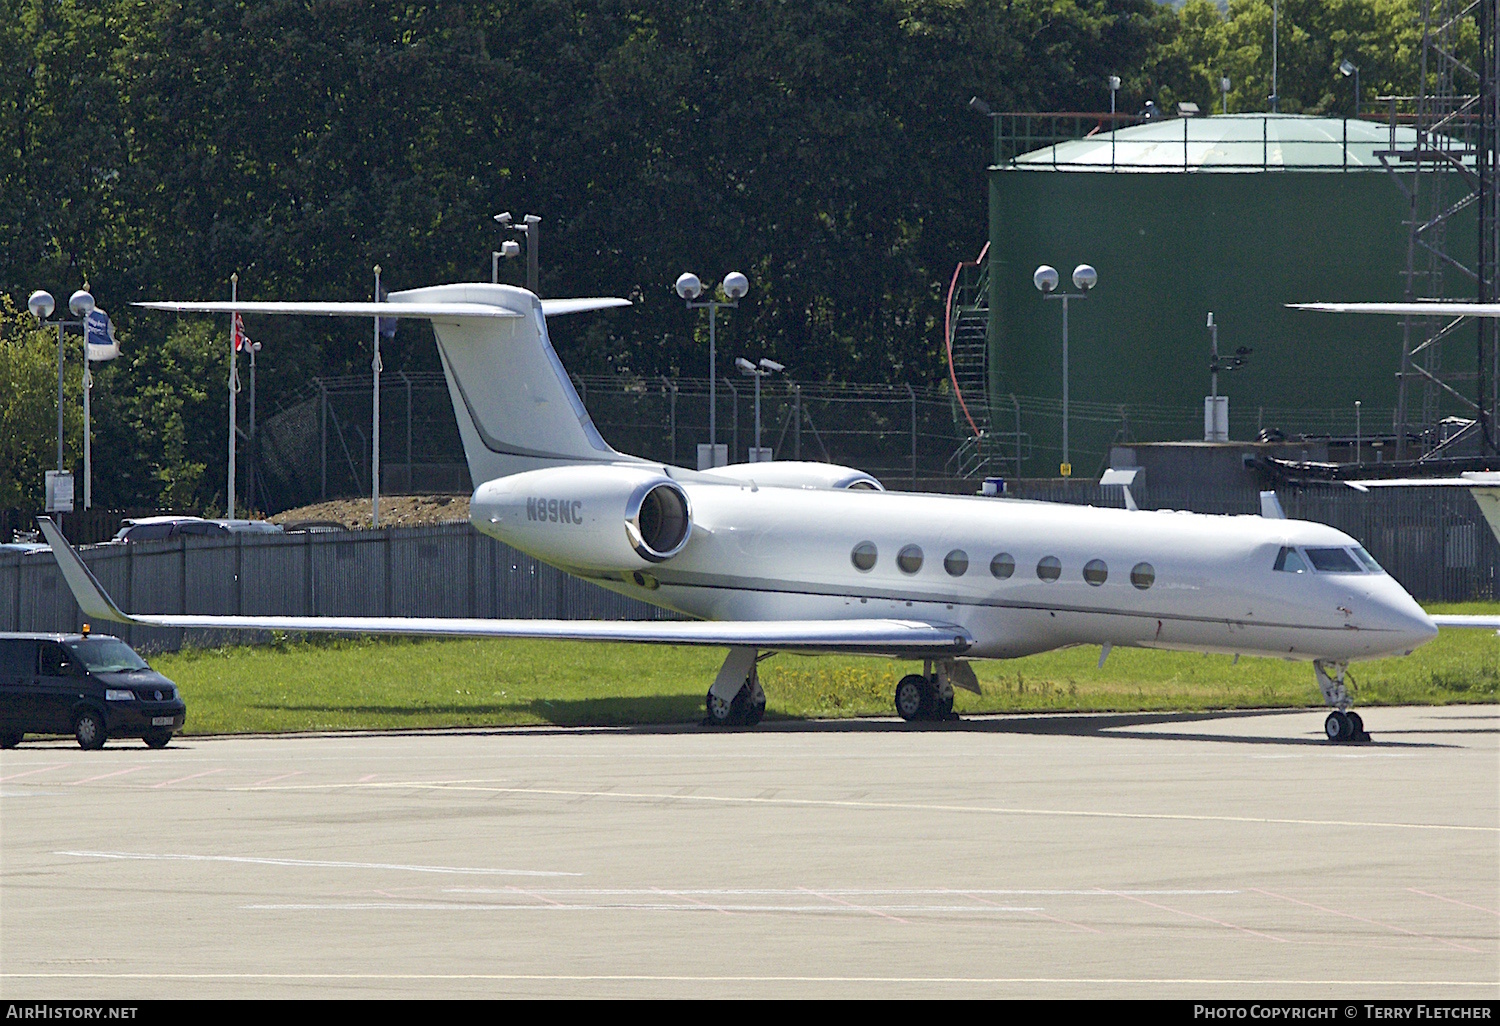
{"type": "Point", "coordinates": [1341, 726]}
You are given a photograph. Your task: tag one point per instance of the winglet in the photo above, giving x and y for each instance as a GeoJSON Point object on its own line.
{"type": "Point", "coordinates": [88, 593]}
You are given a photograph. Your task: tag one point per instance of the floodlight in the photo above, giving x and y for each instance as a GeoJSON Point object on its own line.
{"type": "Point", "coordinates": [1347, 67]}
{"type": "Point", "coordinates": [736, 285]}
{"type": "Point", "coordinates": [510, 248]}
{"type": "Point", "coordinates": [688, 285]}
{"type": "Point", "coordinates": [1224, 84]}
{"type": "Point", "coordinates": [1045, 278]}
{"type": "Point", "coordinates": [979, 107]}
{"type": "Point", "coordinates": [1114, 83]}
{"type": "Point", "coordinates": [503, 219]}
{"type": "Point", "coordinates": [1085, 277]}
{"type": "Point", "coordinates": [772, 366]}
{"type": "Point", "coordinates": [745, 365]}
{"type": "Point", "coordinates": [81, 303]}
{"type": "Point", "coordinates": [41, 304]}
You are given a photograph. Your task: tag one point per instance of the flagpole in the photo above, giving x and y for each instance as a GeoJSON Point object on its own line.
{"type": "Point", "coordinates": [88, 386]}
{"type": "Point", "coordinates": [234, 295]}
{"type": "Point", "coordinates": [375, 425]}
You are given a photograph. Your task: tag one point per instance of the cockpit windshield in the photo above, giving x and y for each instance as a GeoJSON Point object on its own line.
{"type": "Point", "coordinates": [1326, 560]}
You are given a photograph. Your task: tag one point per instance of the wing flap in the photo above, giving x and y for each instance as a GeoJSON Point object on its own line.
{"type": "Point", "coordinates": [558, 307]}
{"type": "Point", "coordinates": [869, 636]}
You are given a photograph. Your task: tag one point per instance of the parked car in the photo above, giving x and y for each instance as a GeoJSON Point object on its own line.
{"type": "Point", "coordinates": [160, 528]}
{"type": "Point", "coordinates": [92, 686]}
{"type": "Point", "coordinates": [24, 547]}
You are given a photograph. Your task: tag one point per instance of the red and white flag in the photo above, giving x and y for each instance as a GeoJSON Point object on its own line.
{"type": "Point", "coordinates": [241, 340]}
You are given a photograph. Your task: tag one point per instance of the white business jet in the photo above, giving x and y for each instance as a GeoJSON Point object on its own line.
{"type": "Point", "coordinates": [816, 558]}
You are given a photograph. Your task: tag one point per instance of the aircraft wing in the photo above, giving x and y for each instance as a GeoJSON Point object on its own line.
{"type": "Point", "coordinates": [421, 310]}
{"type": "Point", "coordinates": [867, 636]}
{"type": "Point", "coordinates": [1414, 309]}
{"type": "Point", "coordinates": [1465, 620]}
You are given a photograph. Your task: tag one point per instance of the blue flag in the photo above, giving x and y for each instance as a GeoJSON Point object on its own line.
{"type": "Point", "coordinates": [99, 336]}
{"type": "Point", "coordinates": [387, 324]}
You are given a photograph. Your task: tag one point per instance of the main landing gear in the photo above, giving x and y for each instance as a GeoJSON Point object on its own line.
{"type": "Point", "coordinates": [929, 695]}
{"type": "Point", "coordinates": [736, 698]}
{"type": "Point", "coordinates": [1342, 726]}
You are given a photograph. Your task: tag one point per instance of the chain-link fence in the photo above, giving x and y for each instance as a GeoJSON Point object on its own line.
{"type": "Point", "coordinates": [317, 446]}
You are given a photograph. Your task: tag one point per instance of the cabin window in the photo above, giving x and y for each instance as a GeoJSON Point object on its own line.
{"type": "Point", "coordinates": [1289, 562]}
{"type": "Point", "coordinates": [1143, 575]}
{"type": "Point", "coordinates": [909, 559]}
{"type": "Point", "coordinates": [864, 555]}
{"type": "Point", "coordinates": [1095, 572]}
{"type": "Point", "coordinates": [1332, 561]}
{"type": "Point", "coordinates": [1367, 560]}
{"type": "Point", "coordinates": [956, 563]}
{"type": "Point", "coordinates": [1002, 566]}
{"type": "Point", "coordinates": [1049, 568]}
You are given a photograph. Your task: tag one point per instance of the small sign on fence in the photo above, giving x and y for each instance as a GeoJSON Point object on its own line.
{"type": "Point", "coordinates": [59, 491]}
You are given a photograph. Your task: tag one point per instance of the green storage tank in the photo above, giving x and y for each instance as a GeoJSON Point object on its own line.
{"type": "Point", "coordinates": [1238, 215]}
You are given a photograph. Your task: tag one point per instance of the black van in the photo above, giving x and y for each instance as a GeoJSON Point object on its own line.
{"type": "Point", "coordinates": [92, 686]}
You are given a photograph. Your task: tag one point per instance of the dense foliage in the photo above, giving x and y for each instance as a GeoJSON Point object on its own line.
{"type": "Point", "coordinates": [824, 147]}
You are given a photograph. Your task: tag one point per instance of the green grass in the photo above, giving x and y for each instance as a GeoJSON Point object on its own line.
{"type": "Point", "coordinates": [332, 684]}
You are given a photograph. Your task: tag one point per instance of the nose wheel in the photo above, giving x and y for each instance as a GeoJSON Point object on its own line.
{"type": "Point", "coordinates": [1342, 726]}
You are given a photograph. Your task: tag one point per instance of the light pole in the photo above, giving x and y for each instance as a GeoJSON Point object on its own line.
{"type": "Point", "coordinates": [531, 227]}
{"type": "Point", "coordinates": [1358, 436]}
{"type": "Point", "coordinates": [757, 372]}
{"type": "Point", "coordinates": [375, 369]}
{"type": "Point", "coordinates": [1045, 279]}
{"type": "Point", "coordinates": [1114, 87]}
{"type": "Point", "coordinates": [736, 285]}
{"type": "Point", "coordinates": [1347, 68]}
{"type": "Point", "coordinates": [1216, 407]}
{"type": "Point", "coordinates": [1224, 91]}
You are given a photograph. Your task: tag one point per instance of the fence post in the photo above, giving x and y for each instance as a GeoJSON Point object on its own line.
{"type": "Point", "coordinates": [323, 438]}
{"type": "Point", "coordinates": [913, 396]}
{"type": "Point", "coordinates": [797, 431]}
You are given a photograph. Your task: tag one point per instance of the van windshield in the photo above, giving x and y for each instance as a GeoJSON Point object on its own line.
{"type": "Point", "coordinates": [106, 655]}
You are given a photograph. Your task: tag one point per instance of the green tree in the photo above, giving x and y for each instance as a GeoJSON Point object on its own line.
{"type": "Point", "coordinates": [28, 412]}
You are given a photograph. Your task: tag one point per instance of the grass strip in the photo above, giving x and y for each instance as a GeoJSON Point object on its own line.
{"type": "Point", "coordinates": [365, 683]}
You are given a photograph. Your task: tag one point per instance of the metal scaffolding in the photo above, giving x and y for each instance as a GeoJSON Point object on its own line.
{"type": "Point", "coordinates": [1446, 397]}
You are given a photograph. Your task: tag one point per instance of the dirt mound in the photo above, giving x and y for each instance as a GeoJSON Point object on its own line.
{"type": "Point", "coordinates": [395, 511]}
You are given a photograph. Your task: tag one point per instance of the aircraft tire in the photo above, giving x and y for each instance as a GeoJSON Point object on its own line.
{"type": "Point", "coordinates": [1357, 727]}
{"type": "Point", "coordinates": [1338, 728]}
{"type": "Point", "coordinates": [720, 712]}
{"type": "Point", "coordinates": [753, 713]}
{"type": "Point", "coordinates": [913, 697]}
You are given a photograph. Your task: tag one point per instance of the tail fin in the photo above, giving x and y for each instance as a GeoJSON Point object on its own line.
{"type": "Point", "coordinates": [515, 406]}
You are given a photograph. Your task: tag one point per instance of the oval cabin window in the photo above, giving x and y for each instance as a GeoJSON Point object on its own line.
{"type": "Point", "coordinates": [1002, 566]}
{"type": "Point", "coordinates": [1143, 575]}
{"type": "Point", "coordinates": [1049, 568]}
{"type": "Point", "coordinates": [956, 563]}
{"type": "Point", "coordinates": [1095, 572]}
{"type": "Point", "coordinates": [909, 559]}
{"type": "Point", "coordinates": [864, 555]}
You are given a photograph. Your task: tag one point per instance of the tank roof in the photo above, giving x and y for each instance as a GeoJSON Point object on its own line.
{"type": "Point", "coordinates": [1225, 143]}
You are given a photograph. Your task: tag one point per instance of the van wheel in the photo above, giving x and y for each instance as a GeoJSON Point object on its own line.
{"type": "Point", "coordinates": [89, 730]}
{"type": "Point", "coordinates": [158, 740]}
{"type": "Point", "coordinates": [10, 740]}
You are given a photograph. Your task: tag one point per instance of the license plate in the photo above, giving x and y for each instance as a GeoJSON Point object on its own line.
{"type": "Point", "coordinates": [161, 721]}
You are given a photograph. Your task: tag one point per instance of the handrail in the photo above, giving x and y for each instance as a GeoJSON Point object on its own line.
{"type": "Point", "coordinates": [948, 334]}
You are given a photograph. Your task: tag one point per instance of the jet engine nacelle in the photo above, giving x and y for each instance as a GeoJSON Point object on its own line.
{"type": "Point", "coordinates": [593, 517]}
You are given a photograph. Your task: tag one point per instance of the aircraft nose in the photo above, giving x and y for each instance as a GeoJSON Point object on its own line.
{"type": "Point", "coordinates": [1408, 623]}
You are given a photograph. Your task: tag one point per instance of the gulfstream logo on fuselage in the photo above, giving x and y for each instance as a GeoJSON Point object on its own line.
{"type": "Point", "coordinates": [558, 511]}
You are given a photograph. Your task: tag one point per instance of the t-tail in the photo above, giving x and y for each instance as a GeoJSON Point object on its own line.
{"type": "Point", "coordinates": [516, 408]}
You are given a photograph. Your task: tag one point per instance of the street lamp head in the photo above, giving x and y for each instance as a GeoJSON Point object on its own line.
{"type": "Point", "coordinates": [1085, 277]}
{"type": "Point", "coordinates": [979, 107]}
{"type": "Point", "coordinates": [745, 365]}
{"type": "Point", "coordinates": [510, 248]}
{"type": "Point", "coordinates": [772, 366]}
{"type": "Point", "coordinates": [1114, 83]}
{"type": "Point", "coordinates": [41, 304]}
{"type": "Point", "coordinates": [1347, 67]}
{"type": "Point", "coordinates": [1045, 278]}
{"type": "Point", "coordinates": [503, 219]}
{"type": "Point", "coordinates": [736, 285]}
{"type": "Point", "coordinates": [81, 303]}
{"type": "Point", "coordinates": [688, 285]}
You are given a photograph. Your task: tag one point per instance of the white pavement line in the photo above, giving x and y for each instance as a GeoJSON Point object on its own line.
{"type": "Point", "coordinates": [904, 806]}
{"type": "Point", "coordinates": [42, 769]}
{"type": "Point", "coordinates": [962, 892]}
{"type": "Point", "coordinates": [1342, 981]}
{"type": "Point", "coordinates": [284, 776]}
{"type": "Point", "coordinates": [862, 908]}
{"type": "Point", "coordinates": [313, 863]}
{"type": "Point", "coordinates": [695, 901]}
{"type": "Point", "coordinates": [837, 908]}
{"type": "Point", "coordinates": [190, 776]}
{"type": "Point", "coordinates": [105, 776]}
{"type": "Point", "coordinates": [1454, 901]}
{"type": "Point", "coordinates": [1038, 913]}
{"type": "Point", "coordinates": [1206, 919]}
{"type": "Point", "coordinates": [1372, 922]}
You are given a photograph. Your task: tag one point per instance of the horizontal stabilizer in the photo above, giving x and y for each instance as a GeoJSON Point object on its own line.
{"type": "Point", "coordinates": [1404, 309]}
{"type": "Point", "coordinates": [426, 311]}
{"type": "Point", "coordinates": [866, 636]}
{"type": "Point", "coordinates": [558, 307]}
